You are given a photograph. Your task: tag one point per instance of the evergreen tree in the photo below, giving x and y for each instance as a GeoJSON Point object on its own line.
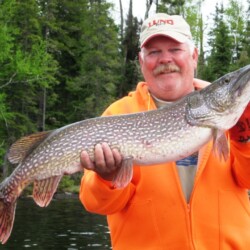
{"type": "Point", "coordinates": [5, 117]}
{"type": "Point", "coordinates": [62, 31]}
{"type": "Point", "coordinates": [130, 47]}
{"type": "Point", "coordinates": [192, 14]}
{"type": "Point", "coordinates": [244, 58]}
{"type": "Point", "coordinates": [94, 79]}
{"type": "Point", "coordinates": [30, 67]}
{"type": "Point", "coordinates": [235, 16]}
{"type": "Point", "coordinates": [221, 47]}
{"type": "Point", "coordinates": [172, 7]}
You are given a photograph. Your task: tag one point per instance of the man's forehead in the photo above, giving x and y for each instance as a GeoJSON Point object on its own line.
{"type": "Point", "coordinates": [160, 39]}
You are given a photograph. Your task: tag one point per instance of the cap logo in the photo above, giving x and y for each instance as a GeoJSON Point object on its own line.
{"type": "Point", "coordinates": [160, 22]}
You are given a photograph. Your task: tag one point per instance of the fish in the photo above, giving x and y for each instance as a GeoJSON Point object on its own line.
{"type": "Point", "coordinates": [167, 134]}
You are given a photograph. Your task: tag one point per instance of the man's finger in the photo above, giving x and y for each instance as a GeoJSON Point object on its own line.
{"type": "Point", "coordinates": [85, 161]}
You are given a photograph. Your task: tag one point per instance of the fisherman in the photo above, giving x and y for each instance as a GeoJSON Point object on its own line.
{"type": "Point", "coordinates": [199, 202]}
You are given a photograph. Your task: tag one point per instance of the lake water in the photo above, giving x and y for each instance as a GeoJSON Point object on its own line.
{"type": "Point", "coordinates": [64, 224]}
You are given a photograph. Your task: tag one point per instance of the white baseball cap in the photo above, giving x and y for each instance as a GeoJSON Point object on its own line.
{"type": "Point", "coordinates": [165, 25]}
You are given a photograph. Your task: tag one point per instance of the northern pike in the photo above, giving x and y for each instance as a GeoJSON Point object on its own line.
{"type": "Point", "coordinates": [166, 134]}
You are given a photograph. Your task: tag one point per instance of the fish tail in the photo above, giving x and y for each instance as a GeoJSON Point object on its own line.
{"type": "Point", "coordinates": [7, 215]}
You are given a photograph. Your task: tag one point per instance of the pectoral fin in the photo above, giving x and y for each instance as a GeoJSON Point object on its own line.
{"type": "Point", "coordinates": [221, 147]}
{"type": "Point", "coordinates": [44, 190]}
{"type": "Point", "coordinates": [125, 174]}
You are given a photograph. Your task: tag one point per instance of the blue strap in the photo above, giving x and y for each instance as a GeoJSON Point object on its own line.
{"type": "Point", "coordinates": [188, 161]}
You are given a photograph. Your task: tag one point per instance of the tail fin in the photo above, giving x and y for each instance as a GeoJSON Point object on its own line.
{"type": "Point", "coordinates": [7, 215]}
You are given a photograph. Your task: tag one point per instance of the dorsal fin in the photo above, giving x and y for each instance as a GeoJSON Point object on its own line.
{"type": "Point", "coordinates": [22, 147]}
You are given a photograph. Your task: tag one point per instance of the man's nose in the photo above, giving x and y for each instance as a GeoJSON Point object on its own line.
{"type": "Point", "coordinates": [166, 57]}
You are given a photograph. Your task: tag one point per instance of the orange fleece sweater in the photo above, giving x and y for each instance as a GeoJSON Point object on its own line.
{"type": "Point", "coordinates": [151, 213]}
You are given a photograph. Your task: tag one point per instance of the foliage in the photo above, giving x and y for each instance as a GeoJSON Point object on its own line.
{"type": "Point", "coordinates": [221, 46]}
{"type": "Point", "coordinates": [98, 63]}
{"type": "Point", "coordinates": [69, 184]}
{"type": "Point", "coordinates": [5, 118]}
{"type": "Point", "coordinates": [172, 7]}
{"type": "Point", "coordinates": [235, 21]}
{"type": "Point", "coordinates": [130, 50]}
{"type": "Point", "coordinates": [244, 58]}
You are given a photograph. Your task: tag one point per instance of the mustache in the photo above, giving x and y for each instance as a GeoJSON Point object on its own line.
{"type": "Point", "coordinates": [166, 68]}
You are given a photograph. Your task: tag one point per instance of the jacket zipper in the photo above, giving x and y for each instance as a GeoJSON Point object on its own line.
{"type": "Point", "coordinates": [200, 166]}
{"type": "Point", "coordinates": [188, 209]}
{"type": "Point", "coordinates": [190, 226]}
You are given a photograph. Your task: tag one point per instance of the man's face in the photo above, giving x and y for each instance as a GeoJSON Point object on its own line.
{"type": "Point", "coordinates": [168, 67]}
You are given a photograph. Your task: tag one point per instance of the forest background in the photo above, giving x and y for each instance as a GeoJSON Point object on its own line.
{"type": "Point", "coordinates": [63, 61]}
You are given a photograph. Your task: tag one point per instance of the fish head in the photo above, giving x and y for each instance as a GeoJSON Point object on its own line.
{"type": "Point", "coordinates": [220, 104]}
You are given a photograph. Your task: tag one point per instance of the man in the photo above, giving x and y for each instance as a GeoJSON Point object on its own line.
{"type": "Point", "coordinates": [199, 202]}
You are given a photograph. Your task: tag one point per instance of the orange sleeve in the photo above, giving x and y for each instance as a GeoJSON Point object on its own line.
{"type": "Point", "coordinates": [241, 163]}
{"type": "Point", "coordinates": [98, 195]}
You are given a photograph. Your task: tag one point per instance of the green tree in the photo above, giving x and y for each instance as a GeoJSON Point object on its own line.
{"type": "Point", "coordinates": [172, 7]}
{"type": "Point", "coordinates": [5, 117]}
{"type": "Point", "coordinates": [29, 66]}
{"type": "Point", "coordinates": [219, 60]}
{"type": "Point", "coordinates": [130, 48]}
{"type": "Point", "coordinates": [192, 13]}
{"type": "Point", "coordinates": [244, 57]}
{"type": "Point", "coordinates": [235, 17]}
{"type": "Point", "coordinates": [62, 31]}
{"type": "Point", "coordinates": [94, 60]}
{"type": "Point", "coordinates": [26, 68]}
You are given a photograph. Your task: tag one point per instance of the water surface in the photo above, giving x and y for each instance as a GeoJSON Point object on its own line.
{"type": "Point", "coordinates": [64, 224]}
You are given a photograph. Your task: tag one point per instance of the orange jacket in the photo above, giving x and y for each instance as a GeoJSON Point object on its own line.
{"type": "Point", "coordinates": [152, 213]}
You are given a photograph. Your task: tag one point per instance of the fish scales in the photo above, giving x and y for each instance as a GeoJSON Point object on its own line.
{"type": "Point", "coordinates": [167, 134]}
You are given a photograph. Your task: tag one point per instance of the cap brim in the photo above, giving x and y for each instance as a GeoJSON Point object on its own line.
{"type": "Point", "coordinates": [174, 35]}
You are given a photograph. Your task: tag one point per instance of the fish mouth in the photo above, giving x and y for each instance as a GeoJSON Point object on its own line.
{"type": "Point", "coordinates": [236, 81]}
{"type": "Point", "coordinates": [166, 69]}
{"type": "Point", "coordinates": [240, 80]}
{"type": "Point", "coordinates": [227, 97]}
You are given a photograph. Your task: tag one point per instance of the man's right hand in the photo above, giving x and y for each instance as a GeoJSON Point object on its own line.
{"type": "Point", "coordinates": [107, 161]}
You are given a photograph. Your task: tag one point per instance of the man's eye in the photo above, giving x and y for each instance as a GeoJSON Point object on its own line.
{"type": "Point", "coordinates": [153, 52]}
{"type": "Point", "coordinates": [175, 49]}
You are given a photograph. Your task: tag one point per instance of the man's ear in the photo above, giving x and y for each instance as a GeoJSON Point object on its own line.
{"type": "Point", "coordinates": [195, 57]}
{"type": "Point", "coordinates": [140, 58]}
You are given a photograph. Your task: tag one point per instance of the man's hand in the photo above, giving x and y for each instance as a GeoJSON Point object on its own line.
{"type": "Point", "coordinates": [107, 161]}
{"type": "Point", "coordinates": [241, 131]}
